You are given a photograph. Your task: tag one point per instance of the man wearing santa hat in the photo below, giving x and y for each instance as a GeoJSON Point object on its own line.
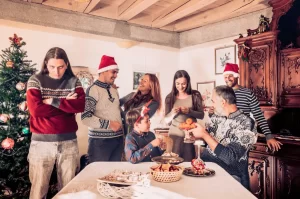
{"type": "Point", "coordinates": [248, 103]}
{"type": "Point", "coordinates": [102, 115]}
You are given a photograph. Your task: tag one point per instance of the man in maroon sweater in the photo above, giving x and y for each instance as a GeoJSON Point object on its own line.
{"type": "Point", "coordinates": [53, 97]}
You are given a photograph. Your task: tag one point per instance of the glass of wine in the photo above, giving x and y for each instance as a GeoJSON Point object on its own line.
{"type": "Point", "coordinates": [198, 163]}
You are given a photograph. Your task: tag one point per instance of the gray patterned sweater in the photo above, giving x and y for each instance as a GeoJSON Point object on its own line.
{"type": "Point", "coordinates": [102, 106]}
{"type": "Point", "coordinates": [235, 138]}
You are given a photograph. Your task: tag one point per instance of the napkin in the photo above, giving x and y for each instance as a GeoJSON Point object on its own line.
{"type": "Point", "coordinates": [78, 195]}
{"type": "Point", "coordinates": [155, 192]}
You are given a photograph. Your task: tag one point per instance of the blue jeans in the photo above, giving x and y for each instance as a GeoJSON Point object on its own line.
{"type": "Point", "coordinates": [105, 149]}
{"type": "Point", "coordinates": [42, 157]}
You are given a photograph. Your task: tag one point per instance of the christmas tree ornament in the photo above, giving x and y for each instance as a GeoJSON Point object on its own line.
{"type": "Point", "coordinates": [20, 86]}
{"type": "Point", "coordinates": [21, 116]}
{"type": "Point", "coordinates": [5, 127]}
{"type": "Point", "coordinates": [4, 118]}
{"type": "Point", "coordinates": [23, 106]}
{"type": "Point", "coordinates": [25, 130]}
{"type": "Point", "coordinates": [8, 143]}
{"type": "Point", "coordinates": [20, 139]}
{"type": "Point", "coordinates": [9, 64]}
{"type": "Point", "coordinates": [16, 40]}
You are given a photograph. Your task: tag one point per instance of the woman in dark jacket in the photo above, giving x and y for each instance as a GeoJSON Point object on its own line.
{"type": "Point", "coordinates": [148, 93]}
{"type": "Point", "coordinates": [180, 104]}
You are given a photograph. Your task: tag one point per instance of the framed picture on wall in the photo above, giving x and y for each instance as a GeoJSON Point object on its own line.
{"type": "Point", "coordinates": [222, 56]}
{"type": "Point", "coordinates": [137, 75]}
{"type": "Point", "coordinates": [206, 89]}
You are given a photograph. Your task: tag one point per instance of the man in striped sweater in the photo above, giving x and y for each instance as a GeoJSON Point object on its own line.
{"type": "Point", "coordinates": [248, 103]}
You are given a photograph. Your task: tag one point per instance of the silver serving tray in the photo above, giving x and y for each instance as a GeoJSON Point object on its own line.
{"type": "Point", "coordinates": [167, 160]}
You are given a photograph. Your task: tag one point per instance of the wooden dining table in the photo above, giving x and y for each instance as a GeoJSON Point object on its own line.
{"type": "Point", "coordinates": [221, 185]}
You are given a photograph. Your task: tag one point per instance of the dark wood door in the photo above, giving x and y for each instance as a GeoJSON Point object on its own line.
{"type": "Point", "coordinates": [290, 78]}
{"type": "Point", "coordinates": [288, 178]}
{"type": "Point", "coordinates": [258, 78]}
{"type": "Point", "coordinates": [260, 173]}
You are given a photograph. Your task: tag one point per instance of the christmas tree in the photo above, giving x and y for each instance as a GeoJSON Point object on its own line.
{"type": "Point", "coordinates": [15, 71]}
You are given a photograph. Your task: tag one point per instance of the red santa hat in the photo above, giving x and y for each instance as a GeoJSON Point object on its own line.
{"type": "Point", "coordinates": [231, 69]}
{"type": "Point", "coordinates": [107, 63]}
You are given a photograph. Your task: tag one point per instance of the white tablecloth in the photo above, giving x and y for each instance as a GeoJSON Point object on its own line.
{"type": "Point", "coordinates": [221, 185]}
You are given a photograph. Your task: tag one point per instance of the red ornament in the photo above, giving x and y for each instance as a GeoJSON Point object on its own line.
{"type": "Point", "coordinates": [8, 143]}
{"type": "Point", "coordinates": [16, 40]}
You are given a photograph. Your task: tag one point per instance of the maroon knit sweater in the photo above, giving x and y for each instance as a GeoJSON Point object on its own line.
{"type": "Point", "coordinates": [59, 117]}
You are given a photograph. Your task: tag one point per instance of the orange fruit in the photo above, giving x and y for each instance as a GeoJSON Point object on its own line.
{"type": "Point", "coordinates": [193, 125]}
{"type": "Point", "coordinates": [189, 121]}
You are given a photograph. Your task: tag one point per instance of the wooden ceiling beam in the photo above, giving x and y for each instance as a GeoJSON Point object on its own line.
{"type": "Point", "coordinates": [130, 8]}
{"type": "Point", "coordinates": [91, 6]}
{"type": "Point", "coordinates": [157, 16]}
{"type": "Point", "coordinates": [185, 10]}
{"type": "Point", "coordinates": [125, 5]}
{"type": "Point", "coordinates": [229, 10]}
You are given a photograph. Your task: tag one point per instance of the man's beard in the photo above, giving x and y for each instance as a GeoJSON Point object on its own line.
{"type": "Point", "coordinates": [111, 81]}
{"type": "Point", "coordinates": [219, 112]}
{"type": "Point", "coordinates": [233, 84]}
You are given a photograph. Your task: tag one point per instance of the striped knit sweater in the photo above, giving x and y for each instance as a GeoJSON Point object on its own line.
{"type": "Point", "coordinates": [247, 102]}
{"type": "Point", "coordinates": [55, 122]}
{"type": "Point", "coordinates": [102, 106]}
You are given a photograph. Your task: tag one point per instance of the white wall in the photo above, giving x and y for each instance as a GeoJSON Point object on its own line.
{"type": "Point", "coordinates": [86, 50]}
{"type": "Point", "coordinates": [199, 62]}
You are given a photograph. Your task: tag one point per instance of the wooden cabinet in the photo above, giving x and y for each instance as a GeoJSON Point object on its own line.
{"type": "Point", "coordinates": [261, 167]}
{"type": "Point", "coordinates": [259, 74]}
{"type": "Point", "coordinates": [275, 175]}
{"type": "Point", "coordinates": [289, 78]}
{"type": "Point", "coordinates": [288, 178]}
{"type": "Point", "coordinates": [274, 77]}
{"type": "Point", "coordinates": [260, 174]}
{"type": "Point", "coordinates": [288, 170]}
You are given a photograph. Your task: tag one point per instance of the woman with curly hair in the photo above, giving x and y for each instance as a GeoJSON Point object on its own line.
{"type": "Point", "coordinates": [148, 93]}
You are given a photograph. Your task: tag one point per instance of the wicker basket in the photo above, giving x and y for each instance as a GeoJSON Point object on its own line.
{"type": "Point", "coordinates": [114, 192]}
{"type": "Point", "coordinates": [171, 176]}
